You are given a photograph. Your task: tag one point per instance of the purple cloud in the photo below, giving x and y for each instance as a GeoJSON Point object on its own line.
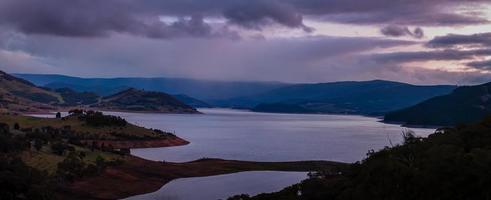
{"type": "Point", "coordinates": [486, 64]}
{"type": "Point", "coordinates": [454, 40]}
{"type": "Point", "coordinates": [399, 31]}
{"type": "Point", "coordinates": [95, 18]}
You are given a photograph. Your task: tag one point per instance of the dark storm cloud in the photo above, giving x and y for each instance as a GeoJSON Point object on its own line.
{"type": "Point", "coordinates": [407, 12]}
{"type": "Point", "coordinates": [455, 40]}
{"type": "Point", "coordinates": [405, 16]}
{"type": "Point", "coordinates": [255, 15]}
{"type": "Point", "coordinates": [486, 64]}
{"type": "Point", "coordinates": [403, 57]}
{"type": "Point", "coordinates": [447, 48]}
{"type": "Point", "coordinates": [399, 31]}
{"type": "Point", "coordinates": [92, 18]}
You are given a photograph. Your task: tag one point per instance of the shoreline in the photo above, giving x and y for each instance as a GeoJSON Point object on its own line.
{"type": "Point", "coordinates": [406, 125]}
{"type": "Point", "coordinates": [66, 109]}
{"type": "Point", "coordinates": [139, 176]}
{"type": "Point", "coordinates": [141, 144]}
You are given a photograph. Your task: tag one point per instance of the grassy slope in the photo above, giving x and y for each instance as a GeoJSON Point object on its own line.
{"type": "Point", "coordinates": [76, 125]}
{"type": "Point", "coordinates": [144, 101]}
{"type": "Point", "coordinates": [19, 95]}
{"type": "Point", "coordinates": [45, 160]}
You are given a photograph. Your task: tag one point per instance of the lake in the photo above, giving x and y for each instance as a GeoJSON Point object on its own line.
{"type": "Point", "coordinates": [244, 135]}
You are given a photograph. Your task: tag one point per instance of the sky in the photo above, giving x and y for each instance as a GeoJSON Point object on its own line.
{"type": "Point", "coordinates": [414, 41]}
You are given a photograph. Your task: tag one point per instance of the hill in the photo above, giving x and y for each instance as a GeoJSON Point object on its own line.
{"type": "Point", "coordinates": [201, 89]}
{"type": "Point", "coordinates": [465, 104]}
{"type": "Point", "coordinates": [352, 97]}
{"type": "Point", "coordinates": [74, 98]}
{"type": "Point", "coordinates": [42, 156]}
{"type": "Point", "coordinates": [144, 101]}
{"type": "Point", "coordinates": [20, 95]}
{"type": "Point", "coordinates": [195, 103]}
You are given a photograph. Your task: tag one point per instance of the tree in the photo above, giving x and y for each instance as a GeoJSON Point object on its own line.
{"type": "Point", "coordinates": [59, 148]}
{"type": "Point", "coordinates": [71, 167]}
{"type": "Point", "coordinates": [38, 144]}
{"type": "Point", "coordinates": [93, 146]}
{"type": "Point", "coordinates": [100, 163]}
{"type": "Point", "coordinates": [76, 112]}
{"type": "Point", "coordinates": [125, 151]}
{"type": "Point", "coordinates": [16, 126]}
{"type": "Point", "coordinates": [4, 129]}
{"type": "Point", "coordinates": [82, 155]}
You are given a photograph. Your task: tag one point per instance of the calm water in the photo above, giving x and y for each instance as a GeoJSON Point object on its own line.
{"type": "Point", "coordinates": [223, 186]}
{"type": "Point", "coordinates": [243, 135]}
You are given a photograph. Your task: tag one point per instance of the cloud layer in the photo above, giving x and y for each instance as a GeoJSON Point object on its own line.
{"type": "Point", "coordinates": [237, 39]}
{"type": "Point", "coordinates": [456, 40]}
{"type": "Point", "coordinates": [95, 18]}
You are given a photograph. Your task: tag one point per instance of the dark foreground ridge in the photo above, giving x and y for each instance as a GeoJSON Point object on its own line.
{"type": "Point", "coordinates": [452, 163]}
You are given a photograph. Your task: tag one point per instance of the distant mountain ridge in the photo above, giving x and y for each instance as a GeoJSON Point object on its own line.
{"type": "Point", "coordinates": [139, 100]}
{"type": "Point", "coordinates": [352, 97]}
{"type": "Point", "coordinates": [464, 105]}
{"type": "Point", "coordinates": [200, 89]}
{"type": "Point", "coordinates": [375, 97]}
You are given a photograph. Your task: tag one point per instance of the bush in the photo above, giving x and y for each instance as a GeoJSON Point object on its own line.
{"type": "Point", "coordinates": [59, 148]}
{"type": "Point", "coordinates": [70, 168]}
{"type": "Point", "coordinates": [19, 181]}
{"type": "Point", "coordinates": [99, 119]}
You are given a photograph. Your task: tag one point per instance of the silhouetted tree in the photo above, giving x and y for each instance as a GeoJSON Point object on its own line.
{"type": "Point", "coordinates": [16, 126]}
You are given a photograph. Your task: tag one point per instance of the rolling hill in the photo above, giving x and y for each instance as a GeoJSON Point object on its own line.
{"type": "Point", "coordinates": [375, 97]}
{"type": "Point", "coordinates": [464, 105]}
{"type": "Point", "coordinates": [74, 98]}
{"type": "Point", "coordinates": [20, 95]}
{"type": "Point", "coordinates": [143, 101]}
{"type": "Point", "coordinates": [363, 97]}
{"type": "Point", "coordinates": [195, 103]}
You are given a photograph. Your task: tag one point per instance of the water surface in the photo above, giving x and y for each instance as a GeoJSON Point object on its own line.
{"type": "Point", "coordinates": [243, 135]}
{"type": "Point", "coordinates": [223, 186]}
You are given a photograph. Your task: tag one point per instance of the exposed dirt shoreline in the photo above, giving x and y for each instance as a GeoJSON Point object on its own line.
{"type": "Point", "coordinates": [139, 176]}
{"type": "Point", "coordinates": [130, 144]}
